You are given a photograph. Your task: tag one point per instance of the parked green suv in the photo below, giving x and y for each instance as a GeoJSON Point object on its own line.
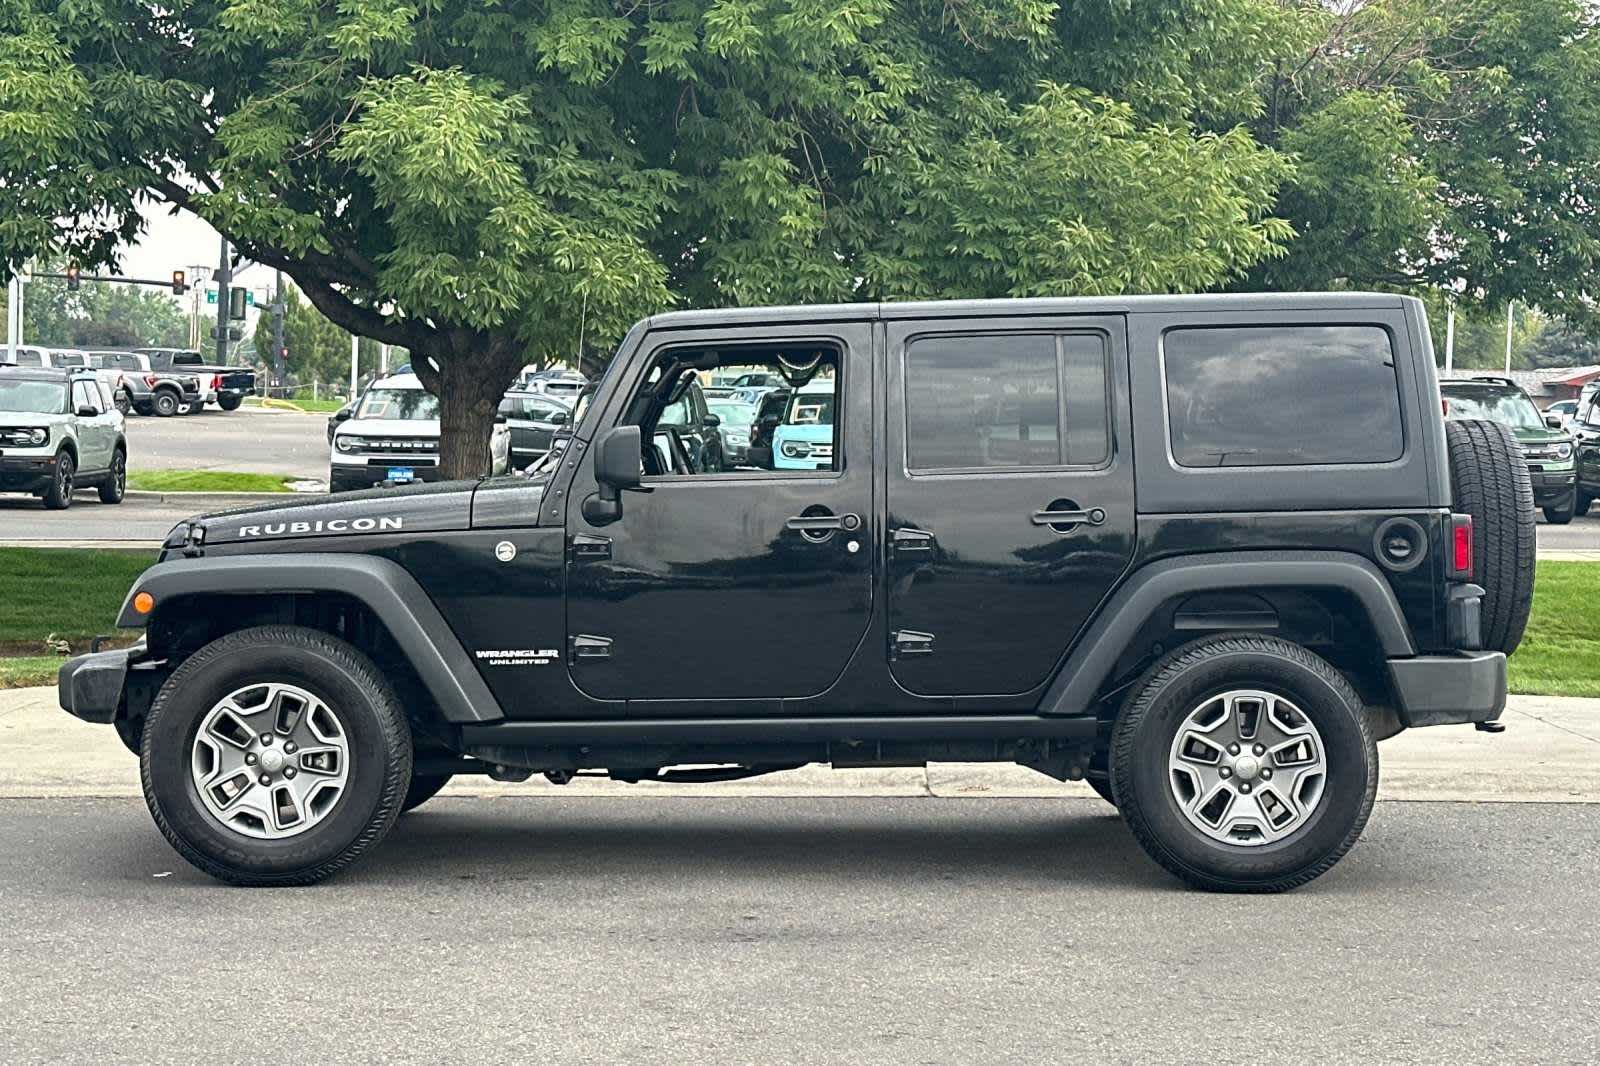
{"type": "Point", "coordinates": [1547, 448]}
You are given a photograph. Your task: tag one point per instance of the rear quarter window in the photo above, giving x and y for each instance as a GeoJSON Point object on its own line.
{"type": "Point", "coordinates": [1282, 396]}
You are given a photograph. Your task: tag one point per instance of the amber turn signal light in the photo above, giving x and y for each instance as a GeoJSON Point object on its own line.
{"type": "Point", "coordinates": [143, 602]}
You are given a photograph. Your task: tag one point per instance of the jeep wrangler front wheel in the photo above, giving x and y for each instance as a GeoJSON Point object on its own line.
{"type": "Point", "coordinates": [1244, 764]}
{"type": "Point", "coordinates": [275, 756]}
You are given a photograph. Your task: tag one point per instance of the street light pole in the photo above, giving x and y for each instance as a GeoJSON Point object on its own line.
{"type": "Point", "coordinates": [355, 363]}
{"type": "Point", "coordinates": [13, 317]}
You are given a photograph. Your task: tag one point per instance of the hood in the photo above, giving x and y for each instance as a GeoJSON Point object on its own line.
{"type": "Point", "coordinates": [434, 507]}
{"type": "Point", "coordinates": [390, 427]}
{"type": "Point", "coordinates": [1542, 435]}
{"type": "Point", "coordinates": [30, 418]}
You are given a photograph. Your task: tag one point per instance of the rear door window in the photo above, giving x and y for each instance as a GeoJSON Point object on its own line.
{"type": "Point", "coordinates": [1282, 396]}
{"type": "Point", "coordinates": [1007, 401]}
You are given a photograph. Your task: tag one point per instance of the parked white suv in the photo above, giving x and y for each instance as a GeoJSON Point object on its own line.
{"type": "Point", "coordinates": [58, 432]}
{"type": "Point", "coordinates": [393, 436]}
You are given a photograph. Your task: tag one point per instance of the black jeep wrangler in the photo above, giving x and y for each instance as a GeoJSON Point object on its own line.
{"type": "Point", "coordinates": [1201, 552]}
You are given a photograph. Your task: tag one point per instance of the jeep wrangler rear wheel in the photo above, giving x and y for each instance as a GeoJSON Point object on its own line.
{"type": "Point", "coordinates": [275, 756]}
{"type": "Point", "coordinates": [1244, 764]}
{"type": "Point", "coordinates": [1489, 480]}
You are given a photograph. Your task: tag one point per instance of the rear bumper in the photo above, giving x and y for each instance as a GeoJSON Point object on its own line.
{"type": "Point", "coordinates": [1450, 689]}
{"type": "Point", "coordinates": [90, 686]}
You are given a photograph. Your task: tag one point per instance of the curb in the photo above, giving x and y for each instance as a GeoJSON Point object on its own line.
{"type": "Point", "coordinates": [211, 497]}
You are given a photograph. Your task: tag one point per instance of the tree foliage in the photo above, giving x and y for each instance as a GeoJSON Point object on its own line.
{"type": "Point", "coordinates": [499, 181]}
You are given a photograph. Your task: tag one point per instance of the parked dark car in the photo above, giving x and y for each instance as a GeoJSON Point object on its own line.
{"type": "Point", "coordinates": [1586, 425]}
{"type": "Point", "coordinates": [533, 418]}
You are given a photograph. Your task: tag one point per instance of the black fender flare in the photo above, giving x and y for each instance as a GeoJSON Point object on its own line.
{"type": "Point", "coordinates": [1127, 611]}
{"type": "Point", "coordinates": [392, 594]}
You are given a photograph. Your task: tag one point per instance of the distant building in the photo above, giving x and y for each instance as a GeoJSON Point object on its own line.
{"type": "Point", "coordinates": [1545, 386]}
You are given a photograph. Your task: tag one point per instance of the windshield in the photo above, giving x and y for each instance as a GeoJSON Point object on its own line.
{"type": "Point", "coordinates": [33, 397]}
{"type": "Point", "coordinates": [1506, 406]}
{"type": "Point", "coordinates": [1591, 416]}
{"type": "Point", "coordinates": [733, 414]}
{"type": "Point", "coordinates": [811, 409]}
{"type": "Point", "coordinates": [410, 405]}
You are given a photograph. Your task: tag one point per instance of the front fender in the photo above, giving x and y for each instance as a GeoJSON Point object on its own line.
{"type": "Point", "coordinates": [392, 594]}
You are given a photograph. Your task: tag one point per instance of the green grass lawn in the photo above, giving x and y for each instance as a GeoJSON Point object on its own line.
{"type": "Point", "coordinates": [29, 671]}
{"type": "Point", "coordinates": [72, 593]}
{"type": "Point", "coordinates": [306, 404]}
{"type": "Point", "coordinates": [1560, 653]}
{"type": "Point", "coordinates": [207, 481]}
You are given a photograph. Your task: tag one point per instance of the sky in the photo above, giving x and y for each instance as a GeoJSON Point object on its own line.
{"type": "Point", "coordinates": [180, 242]}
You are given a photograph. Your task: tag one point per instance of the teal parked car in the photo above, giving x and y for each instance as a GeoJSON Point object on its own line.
{"type": "Point", "coordinates": [804, 440]}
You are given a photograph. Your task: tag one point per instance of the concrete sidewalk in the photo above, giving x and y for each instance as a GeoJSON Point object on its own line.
{"type": "Point", "coordinates": [1549, 753]}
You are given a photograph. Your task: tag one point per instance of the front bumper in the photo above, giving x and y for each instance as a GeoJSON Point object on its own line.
{"type": "Point", "coordinates": [90, 686]}
{"type": "Point", "coordinates": [349, 477]}
{"type": "Point", "coordinates": [1552, 486]}
{"type": "Point", "coordinates": [1450, 689]}
{"type": "Point", "coordinates": [26, 473]}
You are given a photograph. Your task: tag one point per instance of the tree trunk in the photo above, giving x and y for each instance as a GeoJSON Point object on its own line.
{"type": "Point", "coordinates": [469, 388]}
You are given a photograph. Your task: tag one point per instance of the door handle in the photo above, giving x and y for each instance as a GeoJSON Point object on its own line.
{"type": "Point", "coordinates": [1093, 516]}
{"type": "Point", "coordinates": [823, 523]}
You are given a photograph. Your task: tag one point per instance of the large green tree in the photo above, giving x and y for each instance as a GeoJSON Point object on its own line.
{"type": "Point", "coordinates": [1448, 146]}
{"type": "Point", "coordinates": [487, 182]}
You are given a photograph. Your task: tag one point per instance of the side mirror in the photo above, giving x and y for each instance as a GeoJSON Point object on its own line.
{"type": "Point", "coordinates": [500, 418]}
{"type": "Point", "coordinates": [558, 418]}
{"type": "Point", "coordinates": [343, 414]}
{"type": "Point", "coordinates": [87, 412]}
{"type": "Point", "coordinates": [712, 421]}
{"type": "Point", "coordinates": [1553, 421]}
{"type": "Point", "coordinates": [617, 466]}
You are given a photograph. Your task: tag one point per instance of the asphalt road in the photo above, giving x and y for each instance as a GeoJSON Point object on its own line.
{"type": "Point", "coordinates": [253, 441]}
{"type": "Point", "coordinates": [794, 931]}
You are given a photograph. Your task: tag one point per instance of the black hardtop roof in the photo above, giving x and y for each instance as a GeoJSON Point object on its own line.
{"type": "Point", "coordinates": [1063, 305]}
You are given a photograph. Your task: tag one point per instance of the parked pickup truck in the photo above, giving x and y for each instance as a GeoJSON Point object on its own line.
{"type": "Point", "coordinates": [110, 378]}
{"type": "Point", "coordinates": [1199, 552]}
{"type": "Point", "coordinates": [150, 391]}
{"type": "Point", "coordinates": [225, 386]}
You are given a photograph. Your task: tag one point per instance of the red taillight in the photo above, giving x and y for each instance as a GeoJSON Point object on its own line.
{"type": "Point", "coordinates": [1461, 545]}
{"type": "Point", "coordinates": [150, 381]}
{"type": "Point", "coordinates": [216, 382]}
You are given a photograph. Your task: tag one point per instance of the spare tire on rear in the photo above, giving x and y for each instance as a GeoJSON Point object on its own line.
{"type": "Point", "coordinates": [1489, 481]}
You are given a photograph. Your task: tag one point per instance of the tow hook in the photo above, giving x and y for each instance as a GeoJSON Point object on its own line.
{"type": "Point", "coordinates": [1491, 727]}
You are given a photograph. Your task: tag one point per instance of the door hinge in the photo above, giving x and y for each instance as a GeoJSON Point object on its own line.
{"type": "Point", "coordinates": [590, 547]}
{"type": "Point", "coordinates": [911, 540]}
{"type": "Point", "coordinates": [585, 646]}
{"type": "Point", "coordinates": [904, 642]}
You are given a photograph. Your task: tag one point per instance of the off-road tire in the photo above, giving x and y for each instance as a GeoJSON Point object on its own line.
{"type": "Point", "coordinates": [1489, 481]}
{"type": "Point", "coordinates": [229, 403]}
{"type": "Point", "coordinates": [368, 709]}
{"type": "Point", "coordinates": [124, 401]}
{"type": "Point", "coordinates": [115, 486]}
{"type": "Point", "coordinates": [1561, 514]}
{"type": "Point", "coordinates": [165, 403]}
{"type": "Point", "coordinates": [58, 494]}
{"type": "Point", "coordinates": [1581, 507]}
{"type": "Point", "coordinates": [1184, 679]}
{"type": "Point", "coordinates": [423, 788]}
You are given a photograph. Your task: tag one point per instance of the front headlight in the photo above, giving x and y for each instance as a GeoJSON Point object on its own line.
{"type": "Point", "coordinates": [1562, 451]}
{"type": "Point", "coordinates": [798, 449]}
{"type": "Point", "coordinates": [345, 444]}
{"type": "Point", "coordinates": [38, 436]}
{"type": "Point", "coordinates": [738, 436]}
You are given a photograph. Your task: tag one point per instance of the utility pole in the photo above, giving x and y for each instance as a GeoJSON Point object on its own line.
{"type": "Point", "coordinates": [13, 316]}
{"type": "Point", "coordinates": [224, 291]}
{"type": "Point", "coordinates": [355, 363]}
{"type": "Point", "coordinates": [1511, 306]}
{"type": "Point", "coordinates": [279, 310]}
{"type": "Point", "coordinates": [1450, 339]}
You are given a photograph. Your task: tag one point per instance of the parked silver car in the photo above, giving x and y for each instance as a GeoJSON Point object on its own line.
{"type": "Point", "coordinates": [59, 432]}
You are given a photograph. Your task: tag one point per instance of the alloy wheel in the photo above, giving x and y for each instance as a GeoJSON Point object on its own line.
{"type": "Point", "coordinates": [270, 761]}
{"type": "Point", "coordinates": [1247, 767]}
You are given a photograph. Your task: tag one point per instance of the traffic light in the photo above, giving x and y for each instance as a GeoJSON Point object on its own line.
{"type": "Point", "coordinates": [180, 283]}
{"type": "Point", "coordinates": [236, 298]}
{"type": "Point", "coordinates": [72, 278]}
{"type": "Point", "coordinates": [283, 354]}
